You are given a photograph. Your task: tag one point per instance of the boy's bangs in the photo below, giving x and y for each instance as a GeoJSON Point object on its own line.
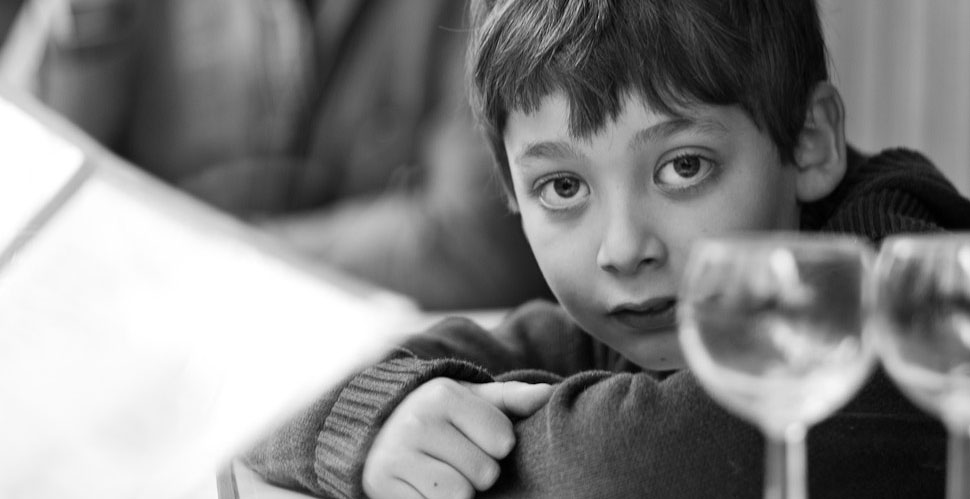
{"type": "Point", "coordinates": [597, 60]}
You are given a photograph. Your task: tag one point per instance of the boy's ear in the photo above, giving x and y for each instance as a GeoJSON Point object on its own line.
{"type": "Point", "coordinates": [820, 152]}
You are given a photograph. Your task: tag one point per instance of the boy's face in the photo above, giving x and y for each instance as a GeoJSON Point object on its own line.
{"type": "Point", "coordinates": [611, 219]}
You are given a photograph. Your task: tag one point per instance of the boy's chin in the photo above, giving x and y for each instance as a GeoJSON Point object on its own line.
{"type": "Point", "coordinates": [662, 355]}
{"type": "Point", "coordinates": [663, 364]}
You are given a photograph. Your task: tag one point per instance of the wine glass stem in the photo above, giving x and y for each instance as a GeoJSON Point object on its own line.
{"type": "Point", "coordinates": [785, 464]}
{"type": "Point", "coordinates": [958, 462]}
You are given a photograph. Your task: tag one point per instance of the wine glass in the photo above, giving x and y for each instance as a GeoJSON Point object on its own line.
{"type": "Point", "coordinates": [922, 334]}
{"type": "Point", "coordinates": [772, 326]}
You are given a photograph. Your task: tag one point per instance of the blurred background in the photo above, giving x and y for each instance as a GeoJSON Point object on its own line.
{"type": "Point", "coordinates": [904, 71]}
{"type": "Point", "coordinates": [341, 125]}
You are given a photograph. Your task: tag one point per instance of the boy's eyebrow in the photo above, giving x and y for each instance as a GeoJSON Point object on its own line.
{"type": "Point", "coordinates": [558, 150]}
{"type": "Point", "coordinates": [676, 125]}
{"type": "Point", "coordinates": [550, 150]}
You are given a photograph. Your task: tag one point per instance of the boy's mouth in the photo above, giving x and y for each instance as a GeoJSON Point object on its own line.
{"type": "Point", "coordinates": [658, 314]}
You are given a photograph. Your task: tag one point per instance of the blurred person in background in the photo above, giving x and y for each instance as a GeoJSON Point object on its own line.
{"type": "Point", "coordinates": [340, 126]}
{"type": "Point", "coordinates": [8, 10]}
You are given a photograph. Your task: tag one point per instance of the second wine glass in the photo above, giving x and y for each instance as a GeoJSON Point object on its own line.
{"type": "Point", "coordinates": [922, 325]}
{"type": "Point", "coordinates": [773, 328]}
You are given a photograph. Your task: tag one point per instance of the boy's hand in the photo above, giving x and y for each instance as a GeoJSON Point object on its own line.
{"type": "Point", "coordinates": [445, 439]}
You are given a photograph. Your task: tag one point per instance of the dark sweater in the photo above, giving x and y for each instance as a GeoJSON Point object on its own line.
{"type": "Point", "coordinates": [612, 430]}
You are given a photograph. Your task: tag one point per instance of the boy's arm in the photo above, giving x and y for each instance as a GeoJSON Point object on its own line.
{"type": "Point", "coordinates": [625, 435]}
{"type": "Point", "coordinates": [323, 448]}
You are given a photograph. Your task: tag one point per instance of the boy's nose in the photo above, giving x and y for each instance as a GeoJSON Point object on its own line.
{"type": "Point", "coordinates": [627, 247]}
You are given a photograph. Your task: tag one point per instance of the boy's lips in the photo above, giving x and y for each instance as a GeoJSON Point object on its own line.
{"type": "Point", "coordinates": [658, 314]}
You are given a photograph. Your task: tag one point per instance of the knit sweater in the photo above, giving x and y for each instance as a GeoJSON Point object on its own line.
{"type": "Point", "coordinates": [613, 430]}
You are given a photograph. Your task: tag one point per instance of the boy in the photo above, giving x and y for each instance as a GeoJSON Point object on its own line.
{"type": "Point", "coordinates": [624, 131]}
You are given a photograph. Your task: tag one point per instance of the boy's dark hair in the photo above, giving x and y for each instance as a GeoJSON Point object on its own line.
{"type": "Point", "coordinates": [765, 56]}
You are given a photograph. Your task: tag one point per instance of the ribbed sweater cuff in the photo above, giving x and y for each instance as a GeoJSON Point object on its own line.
{"type": "Point", "coordinates": [361, 409]}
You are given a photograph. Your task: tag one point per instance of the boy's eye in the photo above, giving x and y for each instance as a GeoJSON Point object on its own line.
{"type": "Point", "coordinates": [562, 192]}
{"type": "Point", "coordinates": [683, 172]}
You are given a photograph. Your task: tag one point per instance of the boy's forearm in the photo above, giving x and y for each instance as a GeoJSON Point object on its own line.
{"type": "Point", "coordinates": [322, 449]}
{"type": "Point", "coordinates": [628, 436]}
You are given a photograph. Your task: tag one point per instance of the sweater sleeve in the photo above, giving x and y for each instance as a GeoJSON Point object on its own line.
{"type": "Point", "coordinates": [625, 435]}
{"type": "Point", "coordinates": [628, 435]}
{"type": "Point", "coordinates": [322, 449]}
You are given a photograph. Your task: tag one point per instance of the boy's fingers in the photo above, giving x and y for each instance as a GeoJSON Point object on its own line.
{"type": "Point", "coordinates": [483, 424]}
{"type": "Point", "coordinates": [456, 449]}
{"type": "Point", "coordinates": [513, 397]}
{"type": "Point", "coordinates": [436, 480]}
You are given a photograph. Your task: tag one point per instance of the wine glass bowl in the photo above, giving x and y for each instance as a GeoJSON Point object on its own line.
{"type": "Point", "coordinates": [773, 327]}
{"type": "Point", "coordinates": [923, 316]}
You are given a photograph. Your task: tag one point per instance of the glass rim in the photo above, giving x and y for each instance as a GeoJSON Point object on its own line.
{"type": "Point", "coordinates": [785, 238]}
{"type": "Point", "coordinates": [924, 239]}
